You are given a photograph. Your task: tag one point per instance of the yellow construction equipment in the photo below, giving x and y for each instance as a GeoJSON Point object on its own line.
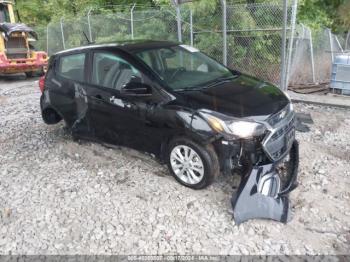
{"type": "Point", "coordinates": [17, 55]}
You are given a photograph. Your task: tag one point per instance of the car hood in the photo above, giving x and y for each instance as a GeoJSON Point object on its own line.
{"type": "Point", "coordinates": [244, 96]}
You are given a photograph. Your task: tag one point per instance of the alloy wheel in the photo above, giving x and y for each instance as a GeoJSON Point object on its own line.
{"type": "Point", "coordinates": [187, 164]}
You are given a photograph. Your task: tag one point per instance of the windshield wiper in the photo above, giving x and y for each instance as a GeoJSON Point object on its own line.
{"type": "Point", "coordinates": [207, 85]}
{"type": "Point", "coordinates": [220, 80]}
{"type": "Point", "coordinates": [197, 88]}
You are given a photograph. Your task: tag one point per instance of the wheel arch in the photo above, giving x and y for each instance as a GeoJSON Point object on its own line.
{"type": "Point", "coordinates": [203, 140]}
{"type": "Point", "coordinates": [187, 123]}
{"type": "Point", "coordinates": [205, 151]}
{"type": "Point", "coordinates": [51, 116]}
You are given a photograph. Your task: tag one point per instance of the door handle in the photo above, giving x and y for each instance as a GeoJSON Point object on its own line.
{"type": "Point", "coordinates": [119, 102]}
{"type": "Point", "coordinates": [99, 97]}
{"type": "Point", "coordinates": [111, 99]}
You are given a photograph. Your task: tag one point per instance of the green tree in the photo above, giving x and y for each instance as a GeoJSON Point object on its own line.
{"type": "Point", "coordinates": [325, 13]}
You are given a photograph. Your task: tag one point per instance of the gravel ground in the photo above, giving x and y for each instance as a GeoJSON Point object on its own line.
{"type": "Point", "coordinates": [58, 196]}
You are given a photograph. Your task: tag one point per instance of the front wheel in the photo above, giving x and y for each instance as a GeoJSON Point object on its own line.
{"type": "Point", "coordinates": [192, 165]}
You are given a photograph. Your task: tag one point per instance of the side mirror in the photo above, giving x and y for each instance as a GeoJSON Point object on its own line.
{"type": "Point", "coordinates": [136, 89]}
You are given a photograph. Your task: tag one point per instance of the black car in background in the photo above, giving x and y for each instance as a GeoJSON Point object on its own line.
{"type": "Point", "coordinates": [195, 114]}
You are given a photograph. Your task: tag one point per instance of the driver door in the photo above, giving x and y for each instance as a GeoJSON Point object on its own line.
{"type": "Point", "coordinates": [117, 119]}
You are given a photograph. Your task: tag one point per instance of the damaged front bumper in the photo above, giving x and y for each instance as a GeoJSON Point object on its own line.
{"type": "Point", "coordinates": [263, 194]}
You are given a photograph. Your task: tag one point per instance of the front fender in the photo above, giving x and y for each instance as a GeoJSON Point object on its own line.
{"type": "Point", "coordinates": [187, 123]}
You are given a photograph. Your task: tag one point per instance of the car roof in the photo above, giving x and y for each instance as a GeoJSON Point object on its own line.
{"type": "Point", "coordinates": [129, 46]}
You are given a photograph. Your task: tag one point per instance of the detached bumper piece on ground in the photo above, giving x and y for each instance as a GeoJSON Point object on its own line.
{"type": "Point", "coordinates": [261, 194]}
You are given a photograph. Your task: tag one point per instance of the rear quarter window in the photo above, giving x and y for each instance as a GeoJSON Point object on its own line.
{"type": "Point", "coordinates": [72, 67]}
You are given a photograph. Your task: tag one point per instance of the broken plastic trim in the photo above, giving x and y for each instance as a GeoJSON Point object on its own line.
{"type": "Point", "coordinates": [259, 194]}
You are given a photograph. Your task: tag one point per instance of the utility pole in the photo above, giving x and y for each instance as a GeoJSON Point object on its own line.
{"type": "Point", "coordinates": [224, 31]}
{"type": "Point", "coordinates": [178, 19]}
{"type": "Point", "coordinates": [177, 4]}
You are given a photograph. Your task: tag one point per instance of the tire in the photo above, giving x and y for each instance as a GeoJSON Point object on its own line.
{"type": "Point", "coordinates": [30, 74]}
{"type": "Point", "coordinates": [50, 116]}
{"type": "Point", "coordinates": [41, 72]}
{"type": "Point", "coordinates": [197, 171]}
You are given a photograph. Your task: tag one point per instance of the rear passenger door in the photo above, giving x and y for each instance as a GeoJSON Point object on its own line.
{"type": "Point", "coordinates": [69, 76]}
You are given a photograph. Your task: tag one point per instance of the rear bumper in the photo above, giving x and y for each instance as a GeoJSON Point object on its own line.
{"type": "Point", "coordinates": [12, 66]}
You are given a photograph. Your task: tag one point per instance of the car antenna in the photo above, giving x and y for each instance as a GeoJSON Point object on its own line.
{"type": "Point", "coordinates": [87, 39]}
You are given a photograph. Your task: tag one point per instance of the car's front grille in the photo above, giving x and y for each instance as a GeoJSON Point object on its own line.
{"type": "Point", "coordinates": [280, 139]}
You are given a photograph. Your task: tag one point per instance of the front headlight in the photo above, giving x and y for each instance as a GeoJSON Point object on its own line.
{"type": "Point", "coordinates": [245, 129]}
{"type": "Point", "coordinates": [239, 128]}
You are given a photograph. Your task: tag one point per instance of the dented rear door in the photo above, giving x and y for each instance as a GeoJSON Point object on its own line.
{"type": "Point", "coordinates": [67, 76]}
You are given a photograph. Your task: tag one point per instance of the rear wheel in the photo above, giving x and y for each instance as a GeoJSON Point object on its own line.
{"type": "Point", "coordinates": [50, 116]}
{"type": "Point", "coordinates": [30, 74]}
{"type": "Point", "coordinates": [39, 72]}
{"type": "Point", "coordinates": [193, 165]}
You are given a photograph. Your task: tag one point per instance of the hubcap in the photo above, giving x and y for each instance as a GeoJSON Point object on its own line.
{"type": "Point", "coordinates": [187, 164]}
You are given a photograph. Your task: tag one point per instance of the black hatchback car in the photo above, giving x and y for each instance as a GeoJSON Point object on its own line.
{"type": "Point", "coordinates": [196, 115]}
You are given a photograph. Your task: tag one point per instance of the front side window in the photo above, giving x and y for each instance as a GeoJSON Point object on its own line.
{"type": "Point", "coordinates": [72, 67]}
{"type": "Point", "coordinates": [184, 67]}
{"type": "Point", "coordinates": [110, 70]}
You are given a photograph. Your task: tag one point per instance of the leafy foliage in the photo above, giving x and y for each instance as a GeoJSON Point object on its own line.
{"type": "Point", "coordinates": [325, 13]}
{"type": "Point", "coordinates": [256, 52]}
{"type": "Point", "coordinates": [315, 13]}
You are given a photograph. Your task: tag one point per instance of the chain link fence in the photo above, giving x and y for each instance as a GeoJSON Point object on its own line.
{"type": "Point", "coordinates": [312, 55]}
{"type": "Point", "coordinates": [207, 31]}
{"type": "Point", "coordinates": [302, 68]}
{"type": "Point", "coordinates": [255, 38]}
{"type": "Point", "coordinates": [246, 37]}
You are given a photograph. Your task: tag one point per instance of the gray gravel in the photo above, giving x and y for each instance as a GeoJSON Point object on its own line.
{"type": "Point", "coordinates": [62, 197]}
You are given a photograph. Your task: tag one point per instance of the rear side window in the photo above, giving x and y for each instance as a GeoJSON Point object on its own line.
{"type": "Point", "coordinates": [72, 67]}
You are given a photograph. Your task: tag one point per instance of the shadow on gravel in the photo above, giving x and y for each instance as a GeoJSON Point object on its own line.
{"type": "Point", "coordinates": [13, 77]}
{"type": "Point", "coordinates": [16, 78]}
{"type": "Point", "coordinates": [303, 122]}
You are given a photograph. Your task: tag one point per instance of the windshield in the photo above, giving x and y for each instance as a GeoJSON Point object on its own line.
{"type": "Point", "coordinates": [184, 67]}
{"type": "Point", "coordinates": [4, 14]}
